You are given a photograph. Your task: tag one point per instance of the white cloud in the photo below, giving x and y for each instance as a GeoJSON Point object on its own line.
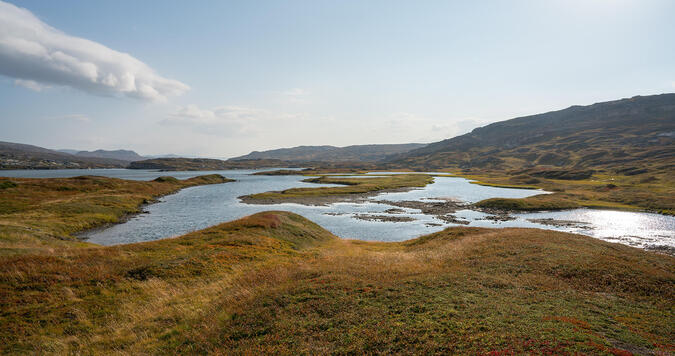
{"type": "Point", "coordinates": [220, 120]}
{"type": "Point", "coordinates": [30, 84]}
{"type": "Point", "coordinates": [34, 52]}
{"type": "Point", "coordinates": [193, 115]}
{"type": "Point", "coordinates": [239, 121]}
{"type": "Point", "coordinates": [413, 127]}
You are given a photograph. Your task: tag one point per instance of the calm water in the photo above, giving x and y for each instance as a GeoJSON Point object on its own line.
{"type": "Point", "coordinates": [199, 207]}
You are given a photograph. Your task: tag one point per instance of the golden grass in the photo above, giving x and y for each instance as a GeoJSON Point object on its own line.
{"type": "Point", "coordinates": [276, 283]}
{"type": "Point", "coordinates": [47, 212]}
{"type": "Point", "coordinates": [638, 193]}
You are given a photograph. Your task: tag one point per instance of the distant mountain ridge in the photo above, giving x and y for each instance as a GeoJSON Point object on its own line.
{"type": "Point", "coordinates": [205, 164]}
{"type": "Point", "coordinates": [355, 153]}
{"type": "Point", "coordinates": [629, 135]}
{"type": "Point", "coordinates": [22, 156]}
{"type": "Point", "coordinates": [122, 155]}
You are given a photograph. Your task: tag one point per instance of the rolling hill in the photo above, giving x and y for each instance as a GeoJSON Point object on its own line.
{"type": "Point", "coordinates": [21, 156]}
{"type": "Point", "coordinates": [205, 164]}
{"type": "Point", "coordinates": [356, 153]}
{"type": "Point", "coordinates": [629, 136]}
{"type": "Point", "coordinates": [122, 155]}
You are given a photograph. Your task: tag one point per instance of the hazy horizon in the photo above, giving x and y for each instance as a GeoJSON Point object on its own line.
{"type": "Point", "coordinates": [224, 79]}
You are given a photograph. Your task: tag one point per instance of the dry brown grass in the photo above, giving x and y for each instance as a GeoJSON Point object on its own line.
{"type": "Point", "coordinates": [275, 282]}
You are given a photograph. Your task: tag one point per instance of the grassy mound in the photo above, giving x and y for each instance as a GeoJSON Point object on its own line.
{"type": "Point", "coordinates": [134, 298]}
{"type": "Point", "coordinates": [275, 282]}
{"type": "Point", "coordinates": [165, 179]}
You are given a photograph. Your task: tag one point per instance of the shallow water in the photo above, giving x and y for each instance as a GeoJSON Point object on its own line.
{"type": "Point", "coordinates": [199, 207]}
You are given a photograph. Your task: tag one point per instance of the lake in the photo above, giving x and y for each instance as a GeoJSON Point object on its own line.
{"type": "Point", "coordinates": [199, 207]}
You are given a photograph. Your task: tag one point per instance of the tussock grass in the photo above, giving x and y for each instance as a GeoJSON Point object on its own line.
{"type": "Point", "coordinates": [275, 282]}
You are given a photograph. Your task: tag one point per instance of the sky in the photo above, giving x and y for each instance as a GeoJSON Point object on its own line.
{"type": "Point", "coordinates": [223, 78]}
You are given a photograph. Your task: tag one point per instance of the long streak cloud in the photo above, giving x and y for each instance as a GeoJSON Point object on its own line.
{"type": "Point", "coordinates": [32, 52]}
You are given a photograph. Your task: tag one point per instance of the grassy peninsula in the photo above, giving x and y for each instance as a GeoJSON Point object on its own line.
{"type": "Point", "coordinates": [47, 212]}
{"type": "Point", "coordinates": [645, 192]}
{"type": "Point", "coordinates": [275, 282]}
{"type": "Point", "coordinates": [351, 188]}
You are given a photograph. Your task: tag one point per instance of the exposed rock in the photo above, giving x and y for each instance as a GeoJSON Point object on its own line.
{"type": "Point", "coordinates": [561, 223]}
{"type": "Point", "coordinates": [383, 218]}
{"type": "Point", "coordinates": [428, 207]}
{"type": "Point", "coordinates": [334, 214]}
{"type": "Point", "coordinates": [449, 218]}
{"type": "Point", "coordinates": [499, 217]}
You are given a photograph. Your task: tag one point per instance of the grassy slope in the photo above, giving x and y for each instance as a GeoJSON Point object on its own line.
{"type": "Point", "coordinates": [275, 282]}
{"type": "Point", "coordinates": [352, 186]}
{"type": "Point", "coordinates": [135, 298]}
{"type": "Point", "coordinates": [46, 212]}
{"type": "Point", "coordinates": [626, 142]}
{"type": "Point", "coordinates": [651, 192]}
{"type": "Point", "coordinates": [628, 135]}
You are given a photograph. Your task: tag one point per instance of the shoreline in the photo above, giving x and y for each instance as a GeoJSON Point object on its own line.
{"type": "Point", "coordinates": [324, 200]}
{"type": "Point", "coordinates": [84, 235]}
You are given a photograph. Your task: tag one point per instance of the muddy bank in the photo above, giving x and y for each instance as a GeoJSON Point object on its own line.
{"type": "Point", "coordinates": [498, 217]}
{"type": "Point", "coordinates": [323, 200]}
{"type": "Point", "coordinates": [436, 208]}
{"type": "Point", "coordinates": [442, 210]}
{"type": "Point", "coordinates": [383, 218]}
{"type": "Point", "coordinates": [561, 223]}
{"type": "Point", "coordinates": [451, 219]}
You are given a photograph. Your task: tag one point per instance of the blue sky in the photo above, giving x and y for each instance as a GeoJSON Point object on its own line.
{"type": "Point", "coordinates": [222, 78]}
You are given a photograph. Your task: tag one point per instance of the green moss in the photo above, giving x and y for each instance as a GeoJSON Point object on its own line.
{"type": "Point", "coordinates": [7, 184]}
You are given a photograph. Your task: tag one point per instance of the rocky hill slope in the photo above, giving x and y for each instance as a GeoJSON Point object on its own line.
{"type": "Point", "coordinates": [356, 153]}
{"type": "Point", "coordinates": [629, 136]}
{"type": "Point", "coordinates": [21, 156]}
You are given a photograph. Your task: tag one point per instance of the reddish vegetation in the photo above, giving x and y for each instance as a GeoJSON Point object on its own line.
{"type": "Point", "coordinates": [264, 220]}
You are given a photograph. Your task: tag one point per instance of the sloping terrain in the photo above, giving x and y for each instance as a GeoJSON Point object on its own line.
{"type": "Point", "coordinates": [629, 136]}
{"type": "Point", "coordinates": [205, 164]}
{"type": "Point", "coordinates": [276, 283]}
{"type": "Point", "coordinates": [21, 156]}
{"type": "Point", "coordinates": [122, 155]}
{"type": "Point", "coordinates": [356, 153]}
